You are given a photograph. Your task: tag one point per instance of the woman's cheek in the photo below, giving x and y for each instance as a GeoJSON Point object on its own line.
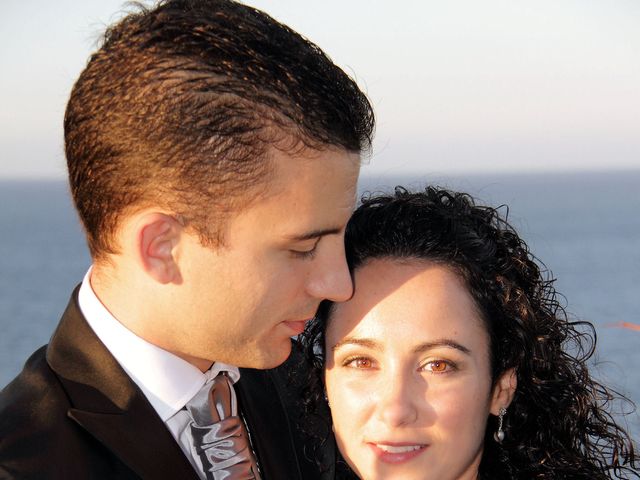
{"type": "Point", "coordinates": [460, 407]}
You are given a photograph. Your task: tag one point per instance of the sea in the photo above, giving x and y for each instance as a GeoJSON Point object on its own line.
{"type": "Point", "coordinates": [583, 226]}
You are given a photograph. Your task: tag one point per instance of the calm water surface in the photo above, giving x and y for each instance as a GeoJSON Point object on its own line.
{"type": "Point", "coordinates": [584, 226]}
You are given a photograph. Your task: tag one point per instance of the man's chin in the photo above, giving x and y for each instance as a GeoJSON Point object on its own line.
{"type": "Point", "coordinates": [271, 357]}
{"type": "Point", "coordinates": [260, 357]}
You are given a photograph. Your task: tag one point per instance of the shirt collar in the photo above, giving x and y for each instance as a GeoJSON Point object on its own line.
{"type": "Point", "coordinates": [167, 380]}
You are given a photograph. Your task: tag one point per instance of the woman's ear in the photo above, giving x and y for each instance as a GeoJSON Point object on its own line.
{"type": "Point", "coordinates": [503, 390]}
{"type": "Point", "coordinates": [158, 235]}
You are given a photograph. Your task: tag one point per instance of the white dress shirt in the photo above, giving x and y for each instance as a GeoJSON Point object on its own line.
{"type": "Point", "coordinates": [167, 380]}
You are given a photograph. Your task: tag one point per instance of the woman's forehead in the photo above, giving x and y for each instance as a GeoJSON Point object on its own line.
{"type": "Point", "coordinates": [412, 301]}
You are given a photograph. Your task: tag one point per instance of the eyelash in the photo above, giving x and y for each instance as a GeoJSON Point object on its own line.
{"type": "Point", "coordinates": [305, 255]}
{"type": "Point", "coordinates": [450, 366]}
{"type": "Point", "coordinates": [349, 361]}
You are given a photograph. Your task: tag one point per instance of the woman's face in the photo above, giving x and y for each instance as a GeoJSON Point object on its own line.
{"type": "Point", "coordinates": [407, 374]}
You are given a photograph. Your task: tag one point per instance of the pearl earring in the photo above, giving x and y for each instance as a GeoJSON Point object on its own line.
{"type": "Point", "coordinates": [499, 435]}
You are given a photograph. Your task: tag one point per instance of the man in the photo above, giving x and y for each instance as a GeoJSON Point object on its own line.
{"type": "Point", "coordinates": [213, 155]}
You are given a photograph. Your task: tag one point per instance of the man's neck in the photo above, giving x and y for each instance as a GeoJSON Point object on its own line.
{"type": "Point", "coordinates": [124, 298]}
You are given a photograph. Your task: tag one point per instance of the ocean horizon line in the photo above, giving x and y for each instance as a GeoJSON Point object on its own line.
{"type": "Point", "coordinates": [364, 174]}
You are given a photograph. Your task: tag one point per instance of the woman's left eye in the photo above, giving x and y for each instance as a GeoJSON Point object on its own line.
{"type": "Point", "coordinates": [438, 366]}
{"type": "Point", "coordinates": [358, 362]}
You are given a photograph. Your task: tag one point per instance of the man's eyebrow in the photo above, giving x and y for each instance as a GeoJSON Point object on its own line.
{"type": "Point", "coordinates": [315, 234]}
{"type": "Point", "coordinates": [423, 347]}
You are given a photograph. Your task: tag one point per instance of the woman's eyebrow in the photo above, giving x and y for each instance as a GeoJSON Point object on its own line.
{"type": "Point", "coordinates": [443, 342]}
{"type": "Point", "coordinates": [421, 348]}
{"type": "Point", "coordinates": [361, 342]}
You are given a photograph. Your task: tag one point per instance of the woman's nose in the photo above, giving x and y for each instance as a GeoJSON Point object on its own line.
{"type": "Point", "coordinates": [397, 406]}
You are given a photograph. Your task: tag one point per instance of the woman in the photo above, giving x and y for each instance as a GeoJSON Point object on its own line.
{"type": "Point", "coordinates": [454, 359]}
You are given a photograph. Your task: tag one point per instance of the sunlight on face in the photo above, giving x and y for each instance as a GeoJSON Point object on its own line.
{"type": "Point", "coordinates": [283, 255]}
{"type": "Point", "coordinates": [407, 374]}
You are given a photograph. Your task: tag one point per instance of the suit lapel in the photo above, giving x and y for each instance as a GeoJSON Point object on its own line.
{"type": "Point", "coordinates": [108, 405]}
{"type": "Point", "coordinates": [144, 444]}
{"type": "Point", "coordinates": [268, 425]}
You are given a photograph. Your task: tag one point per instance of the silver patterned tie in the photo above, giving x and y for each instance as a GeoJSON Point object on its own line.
{"type": "Point", "coordinates": [219, 435]}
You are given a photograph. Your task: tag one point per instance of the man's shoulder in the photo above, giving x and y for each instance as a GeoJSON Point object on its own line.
{"type": "Point", "coordinates": [32, 408]}
{"type": "Point", "coordinates": [33, 393]}
{"type": "Point", "coordinates": [38, 439]}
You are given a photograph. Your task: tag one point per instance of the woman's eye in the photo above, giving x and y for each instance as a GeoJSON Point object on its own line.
{"type": "Point", "coordinates": [438, 366]}
{"type": "Point", "coordinates": [358, 362]}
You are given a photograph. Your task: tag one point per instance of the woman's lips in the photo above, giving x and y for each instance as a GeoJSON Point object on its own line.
{"type": "Point", "coordinates": [397, 452]}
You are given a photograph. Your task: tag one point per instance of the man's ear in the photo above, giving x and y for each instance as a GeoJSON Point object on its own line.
{"type": "Point", "coordinates": [157, 236]}
{"type": "Point", "coordinates": [503, 390]}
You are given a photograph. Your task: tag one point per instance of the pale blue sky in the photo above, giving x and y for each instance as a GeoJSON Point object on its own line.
{"type": "Point", "coordinates": [458, 86]}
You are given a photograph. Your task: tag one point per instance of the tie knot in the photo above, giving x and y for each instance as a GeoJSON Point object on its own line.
{"type": "Point", "coordinates": [215, 401]}
{"type": "Point", "coordinates": [222, 399]}
{"type": "Point", "coordinates": [218, 434]}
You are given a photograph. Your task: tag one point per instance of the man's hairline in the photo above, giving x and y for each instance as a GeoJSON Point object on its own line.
{"type": "Point", "coordinates": [266, 192]}
{"type": "Point", "coordinates": [262, 189]}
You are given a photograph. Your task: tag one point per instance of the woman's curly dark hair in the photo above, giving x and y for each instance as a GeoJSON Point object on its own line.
{"type": "Point", "coordinates": [558, 425]}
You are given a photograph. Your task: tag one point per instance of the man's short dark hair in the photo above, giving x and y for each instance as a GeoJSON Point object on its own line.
{"type": "Point", "coordinates": [181, 105]}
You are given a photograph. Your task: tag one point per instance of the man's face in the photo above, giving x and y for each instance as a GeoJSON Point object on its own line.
{"type": "Point", "coordinates": [282, 255]}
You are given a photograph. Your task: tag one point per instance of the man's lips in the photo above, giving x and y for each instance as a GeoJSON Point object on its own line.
{"type": "Point", "coordinates": [397, 452]}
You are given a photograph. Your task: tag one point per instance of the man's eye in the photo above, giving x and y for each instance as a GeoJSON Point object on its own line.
{"type": "Point", "coordinates": [304, 254]}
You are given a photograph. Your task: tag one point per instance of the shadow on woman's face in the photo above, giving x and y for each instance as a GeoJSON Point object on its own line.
{"type": "Point", "coordinates": [407, 374]}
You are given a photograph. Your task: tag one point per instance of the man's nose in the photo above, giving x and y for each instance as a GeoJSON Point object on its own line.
{"type": "Point", "coordinates": [330, 277]}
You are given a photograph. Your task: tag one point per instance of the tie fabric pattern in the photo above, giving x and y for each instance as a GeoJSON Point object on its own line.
{"type": "Point", "coordinates": [219, 435]}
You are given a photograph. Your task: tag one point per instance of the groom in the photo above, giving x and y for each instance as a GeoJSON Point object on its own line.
{"type": "Point", "coordinates": [213, 155]}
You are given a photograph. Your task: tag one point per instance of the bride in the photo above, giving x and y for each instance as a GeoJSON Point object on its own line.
{"type": "Point", "coordinates": [454, 360]}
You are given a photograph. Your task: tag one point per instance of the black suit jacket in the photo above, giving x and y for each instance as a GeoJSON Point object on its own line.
{"type": "Point", "coordinates": [73, 413]}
